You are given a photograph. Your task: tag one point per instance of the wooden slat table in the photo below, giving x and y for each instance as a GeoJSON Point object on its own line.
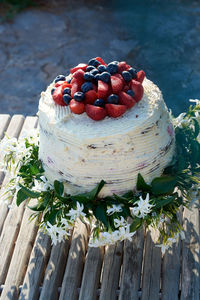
{"type": "Point", "coordinates": [30, 268]}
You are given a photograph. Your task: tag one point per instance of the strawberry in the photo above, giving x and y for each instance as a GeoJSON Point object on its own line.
{"type": "Point", "coordinates": [122, 66]}
{"type": "Point", "coordinates": [126, 99]}
{"type": "Point", "coordinates": [116, 84]}
{"type": "Point", "coordinates": [101, 61]}
{"type": "Point", "coordinates": [76, 107]}
{"type": "Point", "coordinates": [76, 86]}
{"type": "Point", "coordinates": [138, 89]}
{"type": "Point", "coordinates": [103, 89]}
{"type": "Point", "coordinates": [66, 84]}
{"type": "Point", "coordinates": [140, 76]}
{"type": "Point", "coordinates": [94, 87]}
{"type": "Point", "coordinates": [115, 110]}
{"type": "Point", "coordinates": [80, 66]}
{"type": "Point", "coordinates": [90, 97]}
{"type": "Point", "coordinates": [58, 96]}
{"type": "Point", "coordinates": [126, 88]}
{"type": "Point", "coordinates": [96, 113]}
{"type": "Point", "coordinates": [79, 75]}
{"type": "Point", "coordinates": [59, 83]}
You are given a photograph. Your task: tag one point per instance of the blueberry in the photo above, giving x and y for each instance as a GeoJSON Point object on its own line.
{"type": "Point", "coordinates": [67, 90]}
{"type": "Point", "coordinates": [90, 68]}
{"type": "Point", "coordinates": [69, 80]}
{"type": "Point", "coordinates": [86, 87]}
{"type": "Point", "coordinates": [97, 77]}
{"type": "Point", "coordinates": [67, 98]}
{"type": "Point", "coordinates": [127, 76]}
{"type": "Point", "coordinates": [112, 68]}
{"type": "Point", "coordinates": [52, 91]}
{"type": "Point", "coordinates": [94, 62]}
{"type": "Point", "coordinates": [99, 102]}
{"type": "Point", "coordinates": [79, 96]}
{"type": "Point", "coordinates": [133, 72]}
{"type": "Point", "coordinates": [113, 99]}
{"type": "Point", "coordinates": [105, 77]}
{"type": "Point", "coordinates": [88, 76]}
{"type": "Point", "coordinates": [102, 68]}
{"type": "Point", "coordinates": [94, 72]}
{"type": "Point", "coordinates": [131, 93]}
{"type": "Point", "coordinates": [59, 78]}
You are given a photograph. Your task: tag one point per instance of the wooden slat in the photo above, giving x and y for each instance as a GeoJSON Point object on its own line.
{"type": "Point", "coordinates": [54, 272]}
{"type": "Point", "coordinates": [35, 270]}
{"type": "Point", "coordinates": [73, 273]}
{"type": "Point", "coordinates": [4, 121]}
{"type": "Point", "coordinates": [132, 266]}
{"type": "Point", "coordinates": [91, 274]}
{"type": "Point", "coordinates": [111, 271]}
{"type": "Point", "coordinates": [152, 267]}
{"type": "Point", "coordinates": [190, 287]}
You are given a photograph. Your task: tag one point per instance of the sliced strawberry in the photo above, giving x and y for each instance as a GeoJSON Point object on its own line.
{"type": "Point", "coordinates": [103, 89]}
{"type": "Point", "coordinates": [128, 67]}
{"type": "Point", "coordinates": [76, 107]}
{"type": "Point", "coordinates": [140, 76]}
{"type": "Point", "coordinates": [126, 88]}
{"type": "Point", "coordinates": [138, 89]}
{"type": "Point", "coordinates": [80, 66]}
{"type": "Point", "coordinates": [58, 96]}
{"type": "Point", "coordinates": [90, 97]}
{"type": "Point", "coordinates": [94, 87]}
{"type": "Point", "coordinates": [122, 66]}
{"type": "Point", "coordinates": [59, 83]}
{"type": "Point", "coordinates": [115, 110]}
{"type": "Point", "coordinates": [79, 75]}
{"type": "Point", "coordinates": [66, 84]}
{"type": "Point", "coordinates": [101, 61]}
{"type": "Point", "coordinates": [76, 86]}
{"type": "Point", "coordinates": [96, 113]}
{"type": "Point", "coordinates": [78, 81]}
{"type": "Point", "coordinates": [126, 99]}
{"type": "Point", "coordinates": [116, 84]}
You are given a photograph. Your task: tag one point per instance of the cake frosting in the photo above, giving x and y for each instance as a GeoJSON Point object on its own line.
{"type": "Point", "coordinates": [81, 152]}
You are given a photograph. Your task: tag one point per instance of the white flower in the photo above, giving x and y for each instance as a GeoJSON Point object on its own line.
{"type": "Point", "coordinates": [163, 247]}
{"type": "Point", "coordinates": [179, 121]}
{"type": "Point", "coordinates": [143, 207]}
{"type": "Point", "coordinates": [195, 101]}
{"type": "Point", "coordinates": [56, 233]}
{"type": "Point", "coordinates": [120, 222]}
{"type": "Point", "coordinates": [42, 186]}
{"type": "Point", "coordinates": [114, 208]}
{"type": "Point", "coordinates": [76, 213]}
{"type": "Point", "coordinates": [66, 224]}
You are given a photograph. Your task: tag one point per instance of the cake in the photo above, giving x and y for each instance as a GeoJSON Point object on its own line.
{"type": "Point", "coordinates": [112, 140]}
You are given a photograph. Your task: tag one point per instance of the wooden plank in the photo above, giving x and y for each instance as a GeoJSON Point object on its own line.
{"type": "Point", "coordinates": [152, 267]}
{"type": "Point", "coordinates": [91, 274]}
{"type": "Point", "coordinates": [4, 122]}
{"type": "Point", "coordinates": [111, 271]}
{"type": "Point", "coordinates": [73, 273]}
{"type": "Point", "coordinates": [12, 223]}
{"type": "Point", "coordinates": [190, 285]}
{"type": "Point", "coordinates": [132, 266]}
{"type": "Point", "coordinates": [54, 272]}
{"type": "Point", "coordinates": [35, 270]}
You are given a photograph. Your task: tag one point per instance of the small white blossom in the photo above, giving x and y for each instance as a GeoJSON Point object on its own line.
{"type": "Point", "coordinates": [76, 213]}
{"type": "Point", "coordinates": [42, 186]}
{"type": "Point", "coordinates": [142, 208]}
{"type": "Point", "coordinates": [114, 208]}
{"type": "Point", "coordinates": [120, 222]}
{"type": "Point", "coordinates": [56, 233]}
{"type": "Point", "coordinates": [124, 233]}
{"type": "Point", "coordinates": [195, 101]}
{"type": "Point", "coordinates": [67, 226]}
{"type": "Point", "coordinates": [180, 121]}
{"type": "Point", "coordinates": [163, 247]}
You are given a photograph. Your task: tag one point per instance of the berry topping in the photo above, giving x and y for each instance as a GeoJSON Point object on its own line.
{"type": "Point", "coordinates": [138, 89]}
{"type": "Point", "coordinates": [58, 96]}
{"type": "Point", "coordinates": [131, 93]}
{"type": "Point", "coordinates": [90, 97]}
{"type": "Point", "coordinates": [133, 72]}
{"type": "Point", "coordinates": [115, 110]}
{"type": "Point", "coordinates": [113, 99]}
{"type": "Point", "coordinates": [76, 86]}
{"type": "Point", "coordinates": [122, 66]}
{"type": "Point", "coordinates": [52, 91]}
{"type": "Point", "coordinates": [88, 76]}
{"type": "Point", "coordinates": [69, 80]}
{"type": "Point", "coordinates": [90, 68]}
{"type": "Point", "coordinates": [101, 61]}
{"type": "Point", "coordinates": [99, 102]}
{"type": "Point", "coordinates": [112, 67]}
{"type": "Point", "coordinates": [94, 72]}
{"type": "Point", "coordinates": [102, 68]}
{"type": "Point", "coordinates": [127, 76]}
{"type": "Point", "coordinates": [60, 82]}
{"type": "Point", "coordinates": [105, 77]}
{"type": "Point", "coordinates": [79, 96]}
{"type": "Point", "coordinates": [76, 107]}
{"type": "Point", "coordinates": [96, 113]}
{"type": "Point", "coordinates": [67, 98]}
{"type": "Point", "coordinates": [67, 90]}
{"type": "Point", "coordinates": [59, 78]}
{"type": "Point", "coordinates": [140, 76]}
{"type": "Point", "coordinates": [103, 89]}
{"type": "Point", "coordinates": [65, 84]}
{"type": "Point", "coordinates": [85, 87]}
{"type": "Point", "coordinates": [80, 66]}
{"type": "Point", "coordinates": [79, 74]}
{"type": "Point", "coordinates": [116, 84]}
{"type": "Point", "coordinates": [126, 99]}
{"type": "Point", "coordinates": [97, 77]}
{"type": "Point", "coordinates": [93, 62]}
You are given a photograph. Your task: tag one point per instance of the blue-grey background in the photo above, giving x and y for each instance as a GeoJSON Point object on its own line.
{"type": "Point", "coordinates": [161, 37]}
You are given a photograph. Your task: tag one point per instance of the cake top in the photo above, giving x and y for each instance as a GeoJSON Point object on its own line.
{"type": "Point", "coordinates": [99, 89]}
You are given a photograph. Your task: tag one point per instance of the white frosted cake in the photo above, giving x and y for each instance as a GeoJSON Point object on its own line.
{"type": "Point", "coordinates": [81, 151]}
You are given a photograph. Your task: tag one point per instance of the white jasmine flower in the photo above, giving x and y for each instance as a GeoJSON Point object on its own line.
{"type": "Point", "coordinates": [163, 247]}
{"type": "Point", "coordinates": [67, 226]}
{"type": "Point", "coordinates": [195, 101]}
{"type": "Point", "coordinates": [143, 207]}
{"type": "Point", "coordinates": [114, 208]}
{"type": "Point", "coordinates": [76, 213]}
{"type": "Point", "coordinates": [124, 233]}
{"type": "Point", "coordinates": [120, 222]}
{"type": "Point", "coordinates": [179, 121]}
{"type": "Point", "coordinates": [41, 186]}
{"type": "Point", "coordinates": [56, 233]}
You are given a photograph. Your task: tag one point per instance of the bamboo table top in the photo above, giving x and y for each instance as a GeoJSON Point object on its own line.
{"type": "Point", "coordinates": [31, 268]}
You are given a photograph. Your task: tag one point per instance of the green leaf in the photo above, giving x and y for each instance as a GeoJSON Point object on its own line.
{"type": "Point", "coordinates": [142, 185]}
{"type": "Point", "coordinates": [59, 187]}
{"type": "Point", "coordinates": [21, 197]}
{"type": "Point", "coordinates": [37, 207]}
{"type": "Point", "coordinates": [24, 193]}
{"type": "Point", "coordinates": [136, 224]}
{"type": "Point", "coordinates": [100, 214]}
{"type": "Point", "coordinates": [163, 185]}
{"type": "Point", "coordinates": [90, 196]}
{"type": "Point", "coordinates": [161, 202]}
